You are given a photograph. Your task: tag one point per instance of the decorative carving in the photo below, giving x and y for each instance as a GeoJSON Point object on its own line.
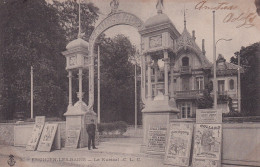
{"type": "Point", "coordinates": [114, 5]}
{"type": "Point", "coordinates": [72, 60]}
{"type": "Point", "coordinates": [121, 18]}
{"type": "Point", "coordinates": [86, 61]}
{"type": "Point", "coordinates": [155, 41]}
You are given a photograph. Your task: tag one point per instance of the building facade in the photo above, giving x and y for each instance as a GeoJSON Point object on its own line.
{"type": "Point", "coordinates": [186, 69]}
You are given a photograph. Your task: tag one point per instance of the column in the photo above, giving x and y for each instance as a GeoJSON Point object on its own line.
{"type": "Point", "coordinates": [155, 76]}
{"type": "Point", "coordinates": [171, 88]}
{"type": "Point", "coordinates": [166, 75]}
{"type": "Point", "coordinates": [143, 78]}
{"type": "Point", "coordinates": [80, 84]}
{"type": "Point", "coordinates": [70, 87]}
{"type": "Point", "coordinates": [149, 78]}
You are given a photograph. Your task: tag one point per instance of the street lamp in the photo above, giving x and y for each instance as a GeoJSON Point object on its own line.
{"type": "Point", "coordinates": [214, 61]}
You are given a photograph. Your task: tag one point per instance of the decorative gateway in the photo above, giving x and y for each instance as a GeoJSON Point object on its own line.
{"type": "Point", "coordinates": [178, 146]}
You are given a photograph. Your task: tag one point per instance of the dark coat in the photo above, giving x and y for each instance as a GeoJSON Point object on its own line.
{"type": "Point", "coordinates": [91, 129]}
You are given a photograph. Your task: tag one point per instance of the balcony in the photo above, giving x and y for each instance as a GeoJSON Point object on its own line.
{"type": "Point", "coordinates": [190, 94]}
{"type": "Point", "coordinates": [185, 70]}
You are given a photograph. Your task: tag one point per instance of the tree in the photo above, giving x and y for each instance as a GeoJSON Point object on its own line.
{"type": "Point", "coordinates": [117, 79]}
{"type": "Point", "coordinates": [68, 13]}
{"type": "Point", "coordinates": [31, 36]}
{"type": "Point", "coordinates": [249, 58]}
{"type": "Point", "coordinates": [205, 101]}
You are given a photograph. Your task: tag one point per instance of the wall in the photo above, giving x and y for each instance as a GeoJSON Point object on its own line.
{"type": "Point", "coordinates": [241, 142]}
{"type": "Point", "coordinates": [7, 132]}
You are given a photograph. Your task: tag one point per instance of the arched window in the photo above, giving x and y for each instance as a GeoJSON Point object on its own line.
{"type": "Point", "coordinates": [231, 84]}
{"type": "Point", "coordinates": [185, 61]}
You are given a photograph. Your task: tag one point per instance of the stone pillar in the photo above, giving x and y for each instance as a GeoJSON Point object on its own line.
{"type": "Point", "coordinates": [155, 76]}
{"type": "Point", "coordinates": [70, 87]}
{"type": "Point", "coordinates": [80, 94]}
{"type": "Point", "coordinates": [166, 75]}
{"type": "Point", "coordinates": [149, 78]}
{"type": "Point", "coordinates": [171, 87]}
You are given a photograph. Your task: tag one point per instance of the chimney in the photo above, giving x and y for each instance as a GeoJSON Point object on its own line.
{"type": "Point", "coordinates": [203, 47]}
{"type": "Point", "coordinates": [193, 35]}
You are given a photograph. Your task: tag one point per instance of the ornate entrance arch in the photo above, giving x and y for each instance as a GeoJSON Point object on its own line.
{"type": "Point", "coordinates": [113, 19]}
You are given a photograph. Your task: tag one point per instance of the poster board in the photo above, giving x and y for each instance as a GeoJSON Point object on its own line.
{"type": "Point", "coordinates": [36, 133]}
{"type": "Point", "coordinates": [178, 144]}
{"type": "Point", "coordinates": [57, 140]}
{"type": "Point", "coordinates": [207, 145]}
{"type": "Point", "coordinates": [72, 138]}
{"type": "Point", "coordinates": [207, 116]}
{"type": "Point", "coordinates": [47, 137]}
{"type": "Point", "coordinates": [156, 139]}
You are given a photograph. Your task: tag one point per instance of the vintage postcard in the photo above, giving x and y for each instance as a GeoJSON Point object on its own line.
{"type": "Point", "coordinates": [117, 83]}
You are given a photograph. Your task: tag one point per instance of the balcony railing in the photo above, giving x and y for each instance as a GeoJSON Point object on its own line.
{"type": "Point", "coordinates": [185, 70]}
{"type": "Point", "coordinates": [222, 93]}
{"type": "Point", "coordinates": [189, 94]}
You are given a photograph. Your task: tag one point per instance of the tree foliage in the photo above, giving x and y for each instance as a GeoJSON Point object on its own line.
{"type": "Point", "coordinates": [117, 79]}
{"type": "Point", "coordinates": [68, 13]}
{"type": "Point", "coordinates": [249, 58]}
{"type": "Point", "coordinates": [205, 101]}
{"type": "Point", "coordinates": [31, 36]}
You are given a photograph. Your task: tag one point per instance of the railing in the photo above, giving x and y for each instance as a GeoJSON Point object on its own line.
{"type": "Point", "coordinates": [188, 94]}
{"type": "Point", "coordinates": [222, 93]}
{"type": "Point", "coordinates": [185, 70]}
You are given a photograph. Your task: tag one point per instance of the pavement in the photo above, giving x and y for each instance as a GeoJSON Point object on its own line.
{"type": "Point", "coordinates": [116, 152]}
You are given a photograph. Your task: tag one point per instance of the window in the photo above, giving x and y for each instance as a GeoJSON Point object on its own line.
{"type": "Point", "coordinates": [185, 84]}
{"type": "Point", "coordinates": [221, 86]}
{"type": "Point", "coordinates": [199, 83]}
{"type": "Point", "coordinates": [185, 61]}
{"type": "Point", "coordinates": [231, 84]}
{"type": "Point", "coordinates": [185, 110]}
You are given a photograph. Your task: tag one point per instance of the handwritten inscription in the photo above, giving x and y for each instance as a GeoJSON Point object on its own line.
{"type": "Point", "coordinates": [244, 19]}
{"type": "Point", "coordinates": [220, 6]}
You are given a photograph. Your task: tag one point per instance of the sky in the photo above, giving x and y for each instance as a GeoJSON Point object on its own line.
{"type": "Point", "coordinates": [236, 20]}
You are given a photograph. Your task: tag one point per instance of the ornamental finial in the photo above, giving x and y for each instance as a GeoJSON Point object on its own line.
{"type": "Point", "coordinates": [80, 35]}
{"type": "Point", "coordinates": [159, 6]}
{"type": "Point", "coordinates": [184, 17]}
{"type": "Point", "coordinates": [114, 5]}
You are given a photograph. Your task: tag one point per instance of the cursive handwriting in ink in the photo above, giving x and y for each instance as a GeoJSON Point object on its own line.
{"type": "Point", "coordinates": [220, 6]}
{"type": "Point", "coordinates": [247, 19]}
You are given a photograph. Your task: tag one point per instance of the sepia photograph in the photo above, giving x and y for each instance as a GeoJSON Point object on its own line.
{"type": "Point", "coordinates": [130, 83]}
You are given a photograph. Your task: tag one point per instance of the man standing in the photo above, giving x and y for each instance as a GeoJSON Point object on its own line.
{"type": "Point", "coordinates": [91, 129]}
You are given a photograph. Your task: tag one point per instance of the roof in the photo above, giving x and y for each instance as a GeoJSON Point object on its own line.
{"type": "Point", "coordinates": [226, 68]}
{"type": "Point", "coordinates": [157, 20]}
{"type": "Point", "coordinates": [186, 41]}
{"type": "Point", "coordinates": [77, 43]}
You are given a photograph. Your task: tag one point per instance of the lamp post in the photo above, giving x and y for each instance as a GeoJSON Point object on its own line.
{"type": "Point", "coordinates": [215, 71]}
{"type": "Point", "coordinates": [135, 91]}
{"type": "Point", "coordinates": [214, 61]}
{"type": "Point", "coordinates": [99, 84]}
{"type": "Point", "coordinates": [31, 92]}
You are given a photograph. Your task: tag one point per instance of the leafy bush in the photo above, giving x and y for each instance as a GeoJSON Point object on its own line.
{"type": "Point", "coordinates": [233, 114]}
{"type": "Point", "coordinates": [119, 126]}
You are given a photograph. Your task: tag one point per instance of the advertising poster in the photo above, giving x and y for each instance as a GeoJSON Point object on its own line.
{"type": "Point", "coordinates": [47, 137]}
{"type": "Point", "coordinates": [36, 133]}
{"type": "Point", "coordinates": [156, 139]}
{"type": "Point", "coordinates": [207, 145]}
{"type": "Point", "coordinates": [72, 138]}
{"type": "Point", "coordinates": [179, 138]}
